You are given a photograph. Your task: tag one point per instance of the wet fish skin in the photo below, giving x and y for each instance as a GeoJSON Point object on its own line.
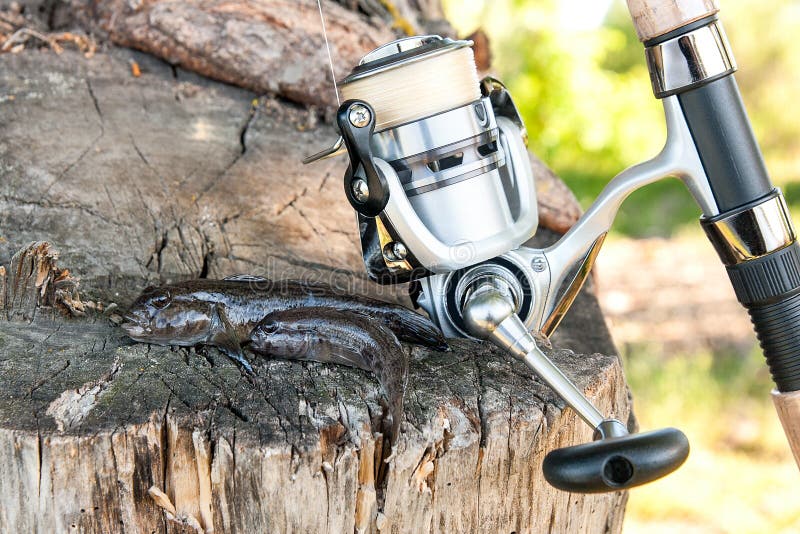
{"type": "Point", "coordinates": [342, 337]}
{"type": "Point", "coordinates": [224, 312]}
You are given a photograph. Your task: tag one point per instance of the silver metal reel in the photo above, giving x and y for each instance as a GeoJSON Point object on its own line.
{"type": "Point", "coordinates": [444, 213]}
{"type": "Point", "coordinates": [555, 274]}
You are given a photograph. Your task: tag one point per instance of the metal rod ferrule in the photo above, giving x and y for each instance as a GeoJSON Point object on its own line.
{"type": "Point", "coordinates": [752, 231]}
{"type": "Point", "coordinates": [689, 60]}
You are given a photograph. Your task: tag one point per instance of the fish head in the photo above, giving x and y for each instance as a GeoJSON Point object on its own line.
{"type": "Point", "coordinates": [279, 338]}
{"type": "Point", "coordinates": [161, 317]}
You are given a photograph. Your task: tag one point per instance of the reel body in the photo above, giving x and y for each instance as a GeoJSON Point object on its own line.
{"type": "Point", "coordinates": [439, 192]}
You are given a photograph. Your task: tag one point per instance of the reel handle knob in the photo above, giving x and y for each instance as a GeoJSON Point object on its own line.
{"type": "Point", "coordinates": [616, 463]}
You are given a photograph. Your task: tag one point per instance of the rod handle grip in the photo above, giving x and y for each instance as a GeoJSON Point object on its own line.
{"type": "Point", "coordinates": [788, 407]}
{"type": "Point", "coordinates": [615, 464]}
{"type": "Point", "coordinates": [657, 17]}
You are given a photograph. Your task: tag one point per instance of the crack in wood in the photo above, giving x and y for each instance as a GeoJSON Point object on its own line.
{"type": "Point", "coordinates": [243, 131]}
{"type": "Point", "coordinates": [72, 406]}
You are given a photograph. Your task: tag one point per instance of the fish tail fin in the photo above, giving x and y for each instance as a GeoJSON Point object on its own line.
{"type": "Point", "coordinates": [391, 437]}
{"type": "Point", "coordinates": [415, 328]}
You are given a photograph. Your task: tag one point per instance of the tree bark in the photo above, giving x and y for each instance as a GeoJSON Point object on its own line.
{"type": "Point", "coordinates": [274, 48]}
{"type": "Point", "coordinates": [140, 172]}
{"type": "Point", "coordinates": [268, 47]}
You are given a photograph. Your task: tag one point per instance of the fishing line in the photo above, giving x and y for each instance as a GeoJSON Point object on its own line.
{"type": "Point", "coordinates": [330, 57]}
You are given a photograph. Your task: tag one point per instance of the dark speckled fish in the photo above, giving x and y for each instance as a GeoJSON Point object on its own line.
{"type": "Point", "coordinates": [341, 337]}
{"type": "Point", "coordinates": [222, 313]}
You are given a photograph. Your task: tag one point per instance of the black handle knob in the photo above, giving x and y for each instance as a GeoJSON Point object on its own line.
{"type": "Point", "coordinates": [615, 464]}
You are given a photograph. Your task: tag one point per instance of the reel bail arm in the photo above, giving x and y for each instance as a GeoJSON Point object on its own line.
{"type": "Point", "coordinates": [364, 184]}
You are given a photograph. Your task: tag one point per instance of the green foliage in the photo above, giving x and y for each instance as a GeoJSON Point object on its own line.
{"type": "Point", "coordinates": [585, 93]}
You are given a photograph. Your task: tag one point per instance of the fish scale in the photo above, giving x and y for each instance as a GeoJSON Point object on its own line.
{"type": "Point", "coordinates": [341, 337]}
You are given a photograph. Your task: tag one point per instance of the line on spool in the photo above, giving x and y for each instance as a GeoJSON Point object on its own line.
{"type": "Point", "coordinates": [418, 89]}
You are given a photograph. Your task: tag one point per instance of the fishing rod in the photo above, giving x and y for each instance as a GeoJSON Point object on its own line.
{"type": "Point", "coordinates": [445, 197]}
{"type": "Point", "coordinates": [690, 60]}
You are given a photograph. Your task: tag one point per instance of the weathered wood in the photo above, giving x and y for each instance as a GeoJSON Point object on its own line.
{"type": "Point", "coordinates": [166, 176]}
{"type": "Point", "coordinates": [33, 282]}
{"type": "Point", "coordinates": [267, 58]}
{"type": "Point", "coordinates": [273, 47]}
{"type": "Point", "coordinates": [90, 423]}
{"type": "Point", "coordinates": [30, 281]}
{"type": "Point", "coordinates": [657, 17]}
{"type": "Point", "coordinates": [3, 291]}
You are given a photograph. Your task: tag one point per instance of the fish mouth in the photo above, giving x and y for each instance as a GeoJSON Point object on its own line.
{"type": "Point", "coordinates": [136, 327]}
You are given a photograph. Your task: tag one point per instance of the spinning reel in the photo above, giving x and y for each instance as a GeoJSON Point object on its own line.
{"type": "Point", "coordinates": [441, 182]}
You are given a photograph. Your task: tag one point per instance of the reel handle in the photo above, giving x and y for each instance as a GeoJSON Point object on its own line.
{"type": "Point", "coordinates": [617, 460]}
{"type": "Point", "coordinates": [616, 463]}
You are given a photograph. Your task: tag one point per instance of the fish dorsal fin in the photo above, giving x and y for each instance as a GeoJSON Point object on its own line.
{"type": "Point", "coordinates": [245, 278]}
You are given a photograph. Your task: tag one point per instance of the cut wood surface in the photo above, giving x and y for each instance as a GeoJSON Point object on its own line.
{"type": "Point", "coordinates": [195, 178]}
{"type": "Point", "coordinates": [139, 172]}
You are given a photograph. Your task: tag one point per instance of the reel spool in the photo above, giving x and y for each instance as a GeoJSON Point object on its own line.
{"type": "Point", "coordinates": [439, 173]}
{"type": "Point", "coordinates": [414, 78]}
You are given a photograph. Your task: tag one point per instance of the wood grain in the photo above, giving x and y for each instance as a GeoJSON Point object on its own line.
{"type": "Point", "coordinates": [169, 175]}
{"type": "Point", "coordinates": [274, 46]}
{"type": "Point", "coordinates": [657, 17]}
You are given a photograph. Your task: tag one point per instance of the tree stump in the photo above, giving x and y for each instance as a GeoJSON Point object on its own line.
{"type": "Point", "coordinates": [99, 434]}
{"type": "Point", "coordinates": [152, 174]}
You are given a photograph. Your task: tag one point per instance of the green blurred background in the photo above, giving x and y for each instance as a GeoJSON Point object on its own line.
{"type": "Point", "coordinates": [577, 73]}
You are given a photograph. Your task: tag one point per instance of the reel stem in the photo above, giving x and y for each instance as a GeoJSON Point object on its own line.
{"type": "Point", "coordinates": [489, 313]}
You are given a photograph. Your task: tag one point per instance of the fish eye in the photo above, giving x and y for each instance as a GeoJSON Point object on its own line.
{"type": "Point", "coordinates": [160, 302]}
{"type": "Point", "coordinates": [268, 328]}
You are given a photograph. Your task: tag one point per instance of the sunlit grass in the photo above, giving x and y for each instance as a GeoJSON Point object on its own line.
{"type": "Point", "coordinates": [740, 476]}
